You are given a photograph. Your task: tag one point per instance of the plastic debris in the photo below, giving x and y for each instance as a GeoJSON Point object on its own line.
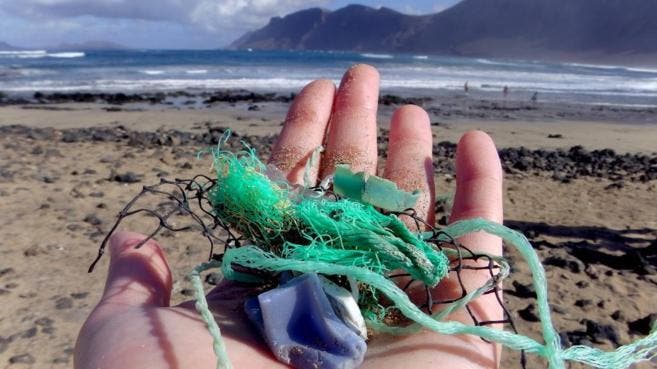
{"type": "Point", "coordinates": [298, 323]}
{"type": "Point", "coordinates": [373, 190]}
{"type": "Point", "coordinates": [345, 306]}
{"type": "Point", "coordinates": [300, 229]}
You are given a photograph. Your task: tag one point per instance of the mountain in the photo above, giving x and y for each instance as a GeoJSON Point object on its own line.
{"type": "Point", "coordinates": [537, 29]}
{"type": "Point", "coordinates": [6, 47]}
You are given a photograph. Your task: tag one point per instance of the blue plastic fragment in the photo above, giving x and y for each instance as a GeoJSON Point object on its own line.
{"type": "Point", "coordinates": [299, 325]}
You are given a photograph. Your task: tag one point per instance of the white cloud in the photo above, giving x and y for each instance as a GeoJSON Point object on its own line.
{"type": "Point", "coordinates": [410, 9]}
{"type": "Point", "coordinates": [211, 15]}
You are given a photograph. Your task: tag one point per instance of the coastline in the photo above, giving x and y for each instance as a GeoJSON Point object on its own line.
{"type": "Point", "coordinates": [68, 168]}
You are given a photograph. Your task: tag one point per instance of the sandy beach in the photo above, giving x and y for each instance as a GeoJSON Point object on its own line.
{"type": "Point", "coordinates": [583, 189]}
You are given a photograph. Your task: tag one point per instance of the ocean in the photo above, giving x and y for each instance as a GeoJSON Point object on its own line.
{"type": "Point", "coordinates": [23, 72]}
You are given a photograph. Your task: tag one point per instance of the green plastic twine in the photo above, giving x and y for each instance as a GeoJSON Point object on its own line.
{"type": "Point", "coordinates": [218, 345]}
{"type": "Point", "coordinates": [354, 240]}
{"type": "Point", "coordinates": [254, 257]}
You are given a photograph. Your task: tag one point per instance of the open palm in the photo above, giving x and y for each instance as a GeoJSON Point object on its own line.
{"type": "Point", "coordinates": [133, 325]}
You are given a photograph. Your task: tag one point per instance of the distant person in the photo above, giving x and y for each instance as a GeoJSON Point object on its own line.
{"type": "Point", "coordinates": [505, 91]}
{"type": "Point", "coordinates": [466, 89]}
{"type": "Point", "coordinates": [535, 97]}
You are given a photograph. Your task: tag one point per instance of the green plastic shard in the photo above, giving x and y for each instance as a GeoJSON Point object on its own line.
{"type": "Point", "coordinates": [373, 190]}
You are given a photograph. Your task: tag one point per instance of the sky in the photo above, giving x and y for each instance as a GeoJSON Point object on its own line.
{"type": "Point", "coordinates": [160, 24]}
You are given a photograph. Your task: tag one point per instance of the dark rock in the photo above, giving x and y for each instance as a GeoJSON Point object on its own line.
{"type": "Point", "coordinates": [45, 322]}
{"type": "Point", "coordinates": [577, 338]}
{"type": "Point", "coordinates": [522, 291]}
{"type": "Point", "coordinates": [31, 251]}
{"type": "Point", "coordinates": [37, 150]}
{"type": "Point", "coordinates": [92, 219]}
{"type": "Point", "coordinates": [572, 265]}
{"type": "Point", "coordinates": [50, 179]}
{"type": "Point", "coordinates": [79, 295]}
{"type": "Point", "coordinates": [529, 313]}
{"type": "Point", "coordinates": [558, 309]}
{"type": "Point", "coordinates": [22, 359]}
{"type": "Point", "coordinates": [73, 227]}
{"type": "Point", "coordinates": [583, 303]}
{"type": "Point", "coordinates": [556, 135]}
{"type": "Point", "coordinates": [128, 177]}
{"type": "Point", "coordinates": [601, 332]}
{"type": "Point", "coordinates": [618, 315]}
{"type": "Point", "coordinates": [6, 271]}
{"type": "Point", "coordinates": [4, 343]}
{"type": "Point", "coordinates": [29, 333]}
{"type": "Point", "coordinates": [592, 272]}
{"type": "Point", "coordinates": [644, 325]}
{"type": "Point", "coordinates": [63, 303]}
{"type": "Point", "coordinates": [615, 186]}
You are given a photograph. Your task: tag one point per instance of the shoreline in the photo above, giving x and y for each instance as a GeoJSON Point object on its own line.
{"type": "Point", "coordinates": [444, 105]}
{"type": "Point", "coordinates": [562, 164]}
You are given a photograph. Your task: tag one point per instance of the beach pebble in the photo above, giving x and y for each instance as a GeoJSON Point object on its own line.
{"type": "Point", "coordinates": [22, 359]}
{"type": "Point", "coordinates": [92, 219]}
{"type": "Point", "coordinates": [601, 332]}
{"type": "Point", "coordinates": [618, 315]}
{"type": "Point", "coordinates": [522, 290]}
{"type": "Point", "coordinates": [45, 321]}
{"type": "Point", "coordinates": [529, 313]}
{"type": "Point", "coordinates": [298, 323]}
{"type": "Point", "coordinates": [79, 295]}
{"type": "Point", "coordinates": [4, 343]}
{"type": "Point", "coordinates": [63, 303]}
{"type": "Point", "coordinates": [644, 325]}
{"type": "Point", "coordinates": [6, 271]}
{"type": "Point", "coordinates": [29, 333]}
{"type": "Point", "coordinates": [128, 177]}
{"type": "Point", "coordinates": [583, 303]}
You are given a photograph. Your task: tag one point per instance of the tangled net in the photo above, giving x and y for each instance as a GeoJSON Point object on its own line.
{"type": "Point", "coordinates": [268, 226]}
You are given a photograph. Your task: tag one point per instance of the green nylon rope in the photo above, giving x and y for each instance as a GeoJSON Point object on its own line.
{"type": "Point", "coordinates": [623, 357]}
{"type": "Point", "coordinates": [295, 230]}
{"type": "Point", "coordinates": [218, 345]}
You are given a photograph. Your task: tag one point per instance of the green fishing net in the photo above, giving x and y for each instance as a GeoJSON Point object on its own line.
{"type": "Point", "coordinates": [354, 235]}
{"type": "Point", "coordinates": [292, 228]}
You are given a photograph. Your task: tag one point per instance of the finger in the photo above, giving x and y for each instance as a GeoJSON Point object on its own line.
{"type": "Point", "coordinates": [478, 195]}
{"type": "Point", "coordinates": [304, 131]}
{"type": "Point", "coordinates": [352, 128]}
{"type": "Point", "coordinates": [137, 277]}
{"type": "Point", "coordinates": [478, 185]}
{"type": "Point", "coordinates": [409, 162]}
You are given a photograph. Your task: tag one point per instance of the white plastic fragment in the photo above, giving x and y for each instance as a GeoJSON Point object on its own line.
{"type": "Point", "coordinates": [345, 306]}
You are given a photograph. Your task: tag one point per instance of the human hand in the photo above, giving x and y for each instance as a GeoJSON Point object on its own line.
{"type": "Point", "coordinates": [133, 325]}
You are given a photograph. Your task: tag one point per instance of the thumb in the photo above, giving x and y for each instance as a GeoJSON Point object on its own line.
{"type": "Point", "coordinates": [137, 276]}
